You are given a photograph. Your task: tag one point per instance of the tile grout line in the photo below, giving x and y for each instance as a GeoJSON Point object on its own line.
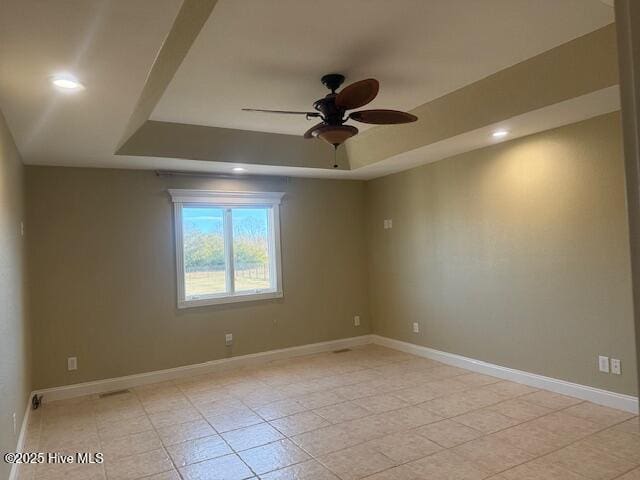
{"type": "Point", "coordinates": [95, 422]}
{"type": "Point", "coordinates": [220, 435]}
{"type": "Point", "coordinates": [164, 447]}
{"type": "Point", "coordinates": [572, 443]}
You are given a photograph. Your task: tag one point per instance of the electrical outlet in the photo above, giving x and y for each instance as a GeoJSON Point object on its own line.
{"type": "Point", "coordinates": [15, 424]}
{"type": "Point", "coordinates": [416, 327]}
{"type": "Point", "coordinates": [356, 321]}
{"type": "Point", "coordinates": [72, 363]}
{"type": "Point", "coordinates": [603, 364]}
{"type": "Point", "coordinates": [615, 366]}
{"type": "Point", "coordinates": [22, 229]}
{"type": "Point", "coordinates": [228, 339]}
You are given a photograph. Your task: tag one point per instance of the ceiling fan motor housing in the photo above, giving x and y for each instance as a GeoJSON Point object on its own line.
{"type": "Point", "coordinates": [331, 114]}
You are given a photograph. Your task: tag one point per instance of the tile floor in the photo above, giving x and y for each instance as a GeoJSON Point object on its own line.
{"type": "Point", "coordinates": [368, 413]}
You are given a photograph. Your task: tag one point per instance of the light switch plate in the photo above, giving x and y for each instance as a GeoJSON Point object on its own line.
{"type": "Point", "coordinates": [603, 364]}
{"type": "Point", "coordinates": [416, 327]}
{"type": "Point", "coordinates": [228, 339]}
{"type": "Point", "coordinates": [72, 363]}
{"type": "Point", "coordinates": [356, 321]}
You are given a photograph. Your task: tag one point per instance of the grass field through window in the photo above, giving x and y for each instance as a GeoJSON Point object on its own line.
{"type": "Point", "coordinates": [207, 283]}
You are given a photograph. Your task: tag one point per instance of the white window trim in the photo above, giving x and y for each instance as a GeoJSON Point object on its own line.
{"type": "Point", "coordinates": [223, 199]}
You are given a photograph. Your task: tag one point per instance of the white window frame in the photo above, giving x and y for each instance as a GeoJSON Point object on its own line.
{"type": "Point", "coordinates": [227, 201]}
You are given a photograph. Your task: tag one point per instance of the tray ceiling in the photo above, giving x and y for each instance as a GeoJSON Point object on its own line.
{"type": "Point", "coordinates": [271, 54]}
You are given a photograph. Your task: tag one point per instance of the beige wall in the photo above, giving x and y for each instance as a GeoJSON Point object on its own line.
{"type": "Point", "coordinates": [15, 381]}
{"type": "Point", "coordinates": [103, 284]}
{"type": "Point", "coordinates": [516, 254]}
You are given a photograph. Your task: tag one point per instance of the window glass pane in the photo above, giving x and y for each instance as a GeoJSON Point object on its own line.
{"type": "Point", "coordinates": [251, 238]}
{"type": "Point", "coordinates": [203, 239]}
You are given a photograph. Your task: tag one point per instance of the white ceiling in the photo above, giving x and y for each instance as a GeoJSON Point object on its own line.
{"type": "Point", "coordinates": [251, 53]}
{"type": "Point", "coordinates": [109, 45]}
{"type": "Point", "coordinates": [271, 54]}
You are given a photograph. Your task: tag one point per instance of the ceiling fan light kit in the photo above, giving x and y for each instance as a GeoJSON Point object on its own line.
{"type": "Point", "coordinates": [334, 135]}
{"type": "Point", "coordinates": [332, 109]}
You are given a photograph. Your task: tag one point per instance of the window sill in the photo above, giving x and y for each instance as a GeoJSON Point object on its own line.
{"type": "Point", "coordinates": [240, 297]}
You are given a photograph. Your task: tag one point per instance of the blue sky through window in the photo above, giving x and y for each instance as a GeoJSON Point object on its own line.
{"type": "Point", "coordinates": [206, 220]}
{"type": "Point", "coordinates": [210, 220]}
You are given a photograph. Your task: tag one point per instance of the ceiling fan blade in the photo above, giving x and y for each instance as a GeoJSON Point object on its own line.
{"type": "Point", "coordinates": [287, 112]}
{"type": "Point", "coordinates": [309, 133]}
{"type": "Point", "coordinates": [382, 117]}
{"type": "Point", "coordinates": [357, 94]}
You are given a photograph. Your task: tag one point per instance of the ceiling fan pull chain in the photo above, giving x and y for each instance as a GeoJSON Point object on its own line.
{"type": "Point", "coordinates": [335, 156]}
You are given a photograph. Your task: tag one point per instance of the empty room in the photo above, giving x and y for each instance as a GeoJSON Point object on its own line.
{"type": "Point", "coordinates": [339, 240]}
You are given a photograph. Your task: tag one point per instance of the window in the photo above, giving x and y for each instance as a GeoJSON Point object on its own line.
{"type": "Point", "coordinates": [227, 246]}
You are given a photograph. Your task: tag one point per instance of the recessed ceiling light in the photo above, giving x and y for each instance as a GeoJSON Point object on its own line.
{"type": "Point", "coordinates": [67, 82]}
{"type": "Point", "coordinates": [239, 169]}
{"type": "Point", "coordinates": [500, 133]}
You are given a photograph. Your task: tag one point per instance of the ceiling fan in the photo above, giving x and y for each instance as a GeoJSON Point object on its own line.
{"type": "Point", "coordinates": [332, 109]}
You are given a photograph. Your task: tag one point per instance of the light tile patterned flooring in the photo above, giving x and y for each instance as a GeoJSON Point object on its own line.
{"type": "Point", "coordinates": [368, 413]}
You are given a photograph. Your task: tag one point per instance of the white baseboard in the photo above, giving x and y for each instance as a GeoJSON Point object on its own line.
{"type": "Point", "coordinates": [118, 383]}
{"type": "Point", "coordinates": [602, 397]}
{"type": "Point", "coordinates": [620, 401]}
{"type": "Point", "coordinates": [13, 473]}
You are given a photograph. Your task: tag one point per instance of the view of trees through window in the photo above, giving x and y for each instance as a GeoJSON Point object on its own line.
{"type": "Point", "coordinates": [204, 250]}
{"type": "Point", "coordinates": [251, 248]}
